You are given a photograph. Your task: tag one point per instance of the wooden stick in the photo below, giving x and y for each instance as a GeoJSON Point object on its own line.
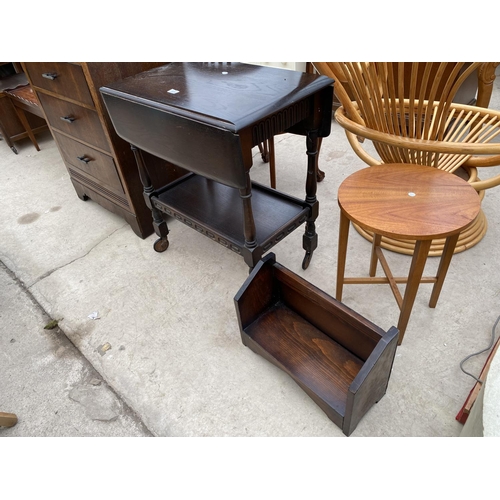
{"type": "Point", "coordinates": [471, 398]}
{"type": "Point", "coordinates": [7, 419]}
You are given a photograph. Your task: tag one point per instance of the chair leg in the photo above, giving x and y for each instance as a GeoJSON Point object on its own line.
{"type": "Point", "coordinates": [264, 152]}
{"type": "Point", "coordinates": [7, 419]}
{"type": "Point", "coordinates": [342, 253]}
{"type": "Point", "coordinates": [444, 264]}
{"type": "Point", "coordinates": [7, 138]}
{"type": "Point", "coordinates": [22, 117]}
{"type": "Point", "coordinates": [414, 277]}
{"type": "Point", "coordinates": [377, 238]}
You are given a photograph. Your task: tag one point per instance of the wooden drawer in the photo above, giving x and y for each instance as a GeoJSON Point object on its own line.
{"type": "Point", "coordinates": [90, 161]}
{"type": "Point", "coordinates": [81, 123]}
{"type": "Point", "coordinates": [64, 79]}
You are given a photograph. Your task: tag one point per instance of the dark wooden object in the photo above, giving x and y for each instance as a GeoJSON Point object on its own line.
{"type": "Point", "coordinates": [206, 118]}
{"type": "Point", "coordinates": [340, 359]}
{"type": "Point", "coordinates": [101, 166]}
{"type": "Point", "coordinates": [464, 412]}
{"type": "Point", "coordinates": [12, 128]}
{"type": "Point", "coordinates": [23, 99]}
{"type": "Point", "coordinates": [412, 202]}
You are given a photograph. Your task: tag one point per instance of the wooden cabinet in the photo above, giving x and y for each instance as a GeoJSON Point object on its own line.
{"type": "Point", "coordinates": [101, 165]}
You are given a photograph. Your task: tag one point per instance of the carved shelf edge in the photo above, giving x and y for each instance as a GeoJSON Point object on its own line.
{"type": "Point", "coordinates": [216, 211]}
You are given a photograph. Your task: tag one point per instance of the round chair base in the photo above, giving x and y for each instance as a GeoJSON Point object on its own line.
{"type": "Point", "coordinates": [467, 239]}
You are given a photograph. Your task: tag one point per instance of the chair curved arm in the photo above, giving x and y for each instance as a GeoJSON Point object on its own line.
{"type": "Point", "coordinates": [474, 181]}
{"type": "Point", "coordinates": [483, 161]}
{"type": "Point", "coordinates": [360, 151]}
{"type": "Point", "coordinates": [415, 144]}
{"type": "Point", "coordinates": [480, 185]}
{"type": "Point", "coordinates": [355, 130]}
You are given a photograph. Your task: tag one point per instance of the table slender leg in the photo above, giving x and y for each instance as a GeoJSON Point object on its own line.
{"type": "Point", "coordinates": [377, 238]}
{"type": "Point", "coordinates": [159, 224]}
{"type": "Point", "coordinates": [6, 138]}
{"type": "Point", "coordinates": [416, 270]}
{"type": "Point", "coordinates": [250, 253]}
{"type": "Point", "coordinates": [342, 253]}
{"type": "Point", "coordinates": [263, 151]}
{"type": "Point", "coordinates": [22, 118]}
{"type": "Point", "coordinates": [272, 163]}
{"type": "Point", "coordinates": [444, 263]}
{"type": "Point", "coordinates": [310, 238]}
{"type": "Point", "coordinates": [320, 175]}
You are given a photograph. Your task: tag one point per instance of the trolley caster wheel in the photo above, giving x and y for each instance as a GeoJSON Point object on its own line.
{"type": "Point", "coordinates": [307, 260]}
{"type": "Point", "coordinates": [160, 245]}
{"type": "Point", "coordinates": [14, 149]}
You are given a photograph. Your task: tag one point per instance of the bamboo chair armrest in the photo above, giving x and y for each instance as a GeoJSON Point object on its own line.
{"type": "Point", "coordinates": [415, 144]}
{"type": "Point", "coordinates": [358, 149]}
{"type": "Point", "coordinates": [483, 161]}
{"type": "Point", "coordinates": [480, 185]}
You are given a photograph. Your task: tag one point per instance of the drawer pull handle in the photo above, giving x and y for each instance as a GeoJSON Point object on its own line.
{"type": "Point", "coordinates": [84, 159]}
{"type": "Point", "coordinates": [50, 76]}
{"type": "Point", "coordinates": [68, 119]}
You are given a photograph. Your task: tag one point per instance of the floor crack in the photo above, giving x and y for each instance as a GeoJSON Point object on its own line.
{"type": "Point", "coordinates": [48, 273]}
{"type": "Point", "coordinates": [89, 366]}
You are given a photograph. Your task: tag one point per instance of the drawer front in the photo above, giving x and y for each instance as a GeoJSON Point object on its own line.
{"type": "Point", "coordinates": [90, 161]}
{"type": "Point", "coordinates": [64, 79]}
{"type": "Point", "coordinates": [81, 123]}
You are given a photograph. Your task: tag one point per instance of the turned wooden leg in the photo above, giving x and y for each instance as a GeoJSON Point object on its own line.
{"type": "Point", "coordinates": [250, 255]}
{"type": "Point", "coordinates": [416, 270]}
{"type": "Point", "coordinates": [264, 152]}
{"type": "Point", "coordinates": [159, 223]}
{"type": "Point", "coordinates": [272, 163]}
{"type": "Point", "coordinates": [342, 253]}
{"type": "Point", "coordinates": [310, 238]}
{"type": "Point", "coordinates": [444, 264]}
{"type": "Point", "coordinates": [320, 175]}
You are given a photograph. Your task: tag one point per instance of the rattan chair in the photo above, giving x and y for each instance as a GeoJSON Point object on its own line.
{"type": "Point", "coordinates": [419, 123]}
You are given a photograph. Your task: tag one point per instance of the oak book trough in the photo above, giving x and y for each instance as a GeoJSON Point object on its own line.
{"type": "Point", "coordinates": [340, 359]}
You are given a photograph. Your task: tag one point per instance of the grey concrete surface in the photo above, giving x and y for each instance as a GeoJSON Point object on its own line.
{"type": "Point", "coordinates": [47, 382]}
{"type": "Point", "coordinates": [176, 358]}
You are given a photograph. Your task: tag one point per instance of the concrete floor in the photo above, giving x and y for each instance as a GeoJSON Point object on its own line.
{"type": "Point", "coordinates": [176, 366]}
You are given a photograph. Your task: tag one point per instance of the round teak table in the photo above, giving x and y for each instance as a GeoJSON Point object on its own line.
{"type": "Point", "coordinates": [411, 202]}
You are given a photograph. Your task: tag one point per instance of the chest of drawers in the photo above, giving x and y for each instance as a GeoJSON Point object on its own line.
{"type": "Point", "coordinates": [101, 165]}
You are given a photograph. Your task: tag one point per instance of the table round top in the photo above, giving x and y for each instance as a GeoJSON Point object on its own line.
{"type": "Point", "coordinates": [408, 201]}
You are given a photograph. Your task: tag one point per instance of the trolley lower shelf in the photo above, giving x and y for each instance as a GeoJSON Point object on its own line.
{"type": "Point", "coordinates": [216, 211]}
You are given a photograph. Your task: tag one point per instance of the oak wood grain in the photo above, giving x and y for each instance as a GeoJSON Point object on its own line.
{"type": "Point", "coordinates": [408, 201]}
